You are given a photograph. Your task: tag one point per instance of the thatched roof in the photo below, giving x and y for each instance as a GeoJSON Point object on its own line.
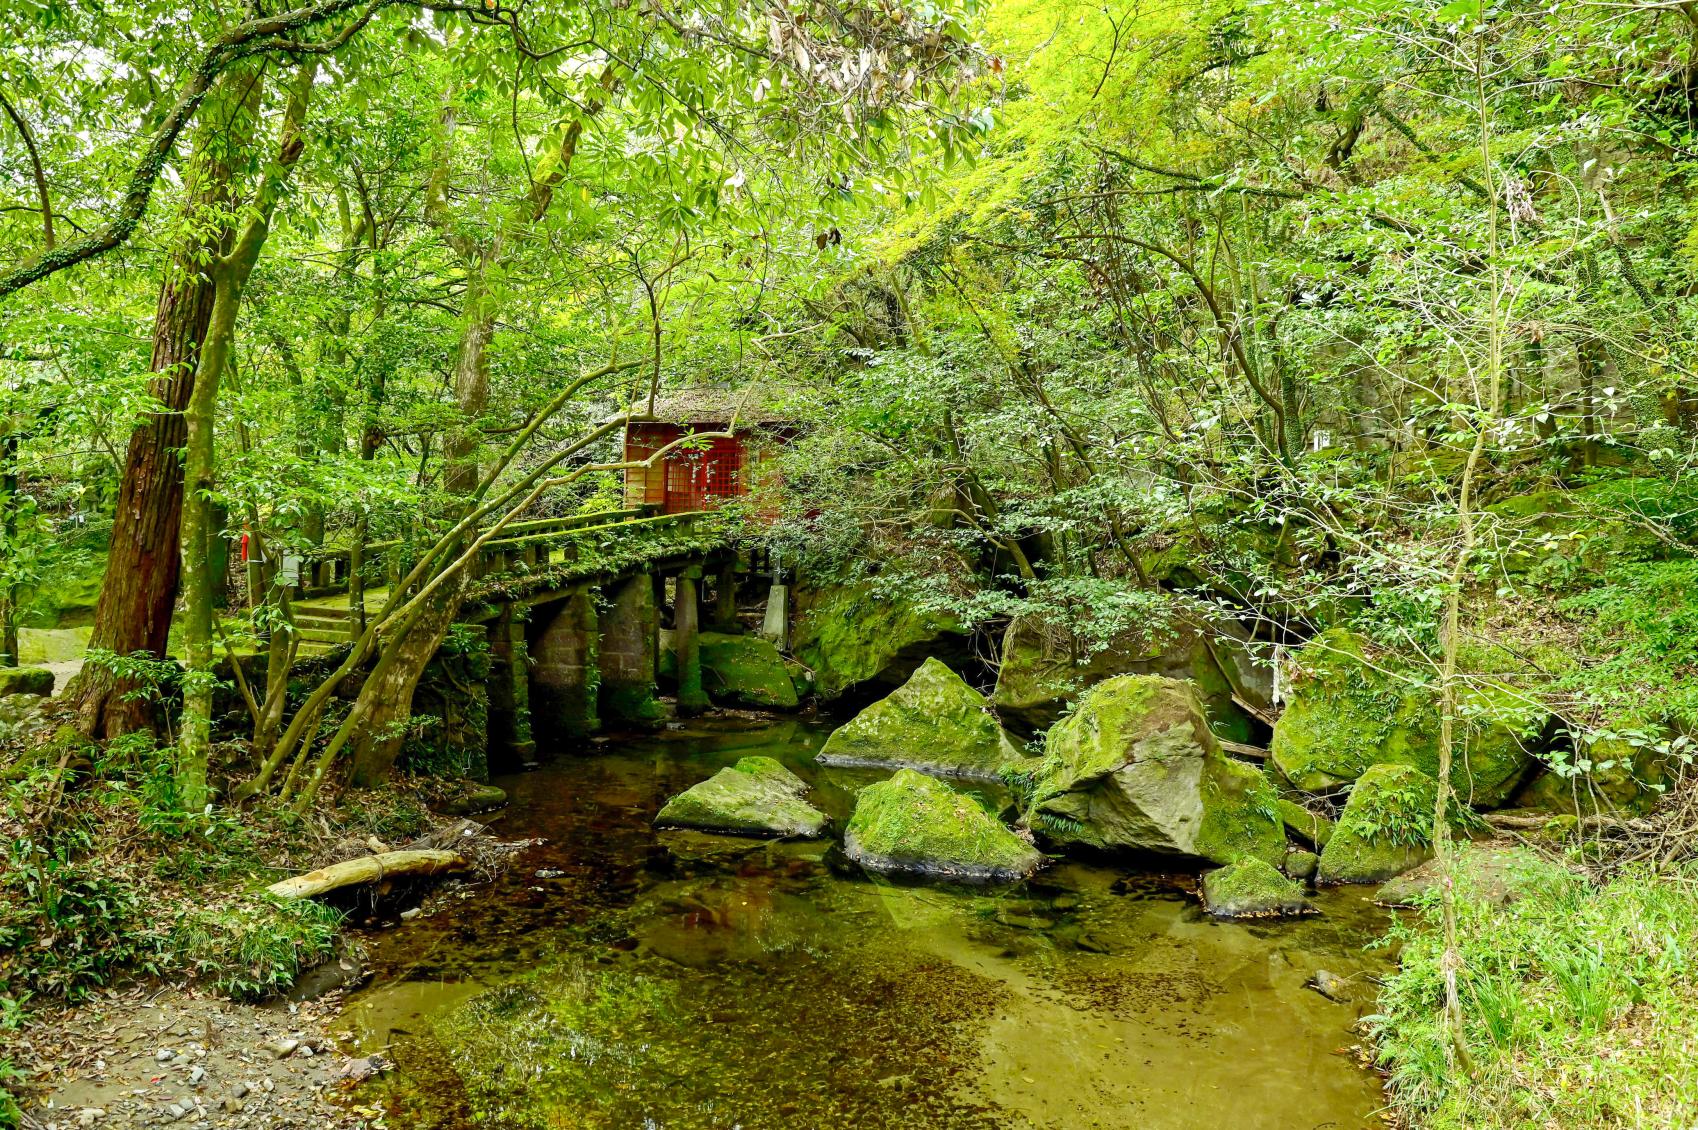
{"type": "Point", "coordinates": [750, 404]}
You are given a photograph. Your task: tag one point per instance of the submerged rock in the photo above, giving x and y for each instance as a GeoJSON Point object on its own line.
{"type": "Point", "coordinates": [934, 722]}
{"type": "Point", "coordinates": [746, 670]}
{"type": "Point", "coordinates": [1345, 715]}
{"type": "Point", "coordinates": [1137, 768]}
{"type": "Point", "coordinates": [36, 681]}
{"type": "Point", "coordinates": [1252, 888]}
{"type": "Point", "coordinates": [1386, 827]}
{"type": "Point", "coordinates": [757, 796]}
{"type": "Point", "coordinates": [916, 824]}
{"type": "Point", "coordinates": [1310, 827]}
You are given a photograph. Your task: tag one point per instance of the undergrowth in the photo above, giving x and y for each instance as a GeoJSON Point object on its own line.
{"type": "Point", "coordinates": [1580, 1006]}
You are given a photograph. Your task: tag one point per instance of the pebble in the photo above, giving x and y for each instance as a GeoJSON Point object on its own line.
{"type": "Point", "coordinates": [90, 1115]}
{"type": "Point", "coordinates": [282, 1049]}
{"type": "Point", "coordinates": [241, 1089]}
{"type": "Point", "coordinates": [164, 1055]}
{"type": "Point", "coordinates": [409, 915]}
{"type": "Point", "coordinates": [196, 1075]}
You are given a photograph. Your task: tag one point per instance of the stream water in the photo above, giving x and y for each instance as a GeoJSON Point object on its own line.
{"type": "Point", "coordinates": [624, 978]}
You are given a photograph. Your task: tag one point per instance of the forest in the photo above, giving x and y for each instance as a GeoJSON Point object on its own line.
{"type": "Point", "coordinates": [815, 563]}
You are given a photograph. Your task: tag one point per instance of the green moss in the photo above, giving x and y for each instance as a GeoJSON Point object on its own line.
{"type": "Point", "coordinates": [848, 634]}
{"type": "Point", "coordinates": [915, 823]}
{"type": "Point", "coordinates": [1310, 827]}
{"type": "Point", "coordinates": [25, 680]}
{"type": "Point", "coordinates": [632, 704]}
{"type": "Point", "coordinates": [756, 796]}
{"type": "Point", "coordinates": [1252, 888]}
{"type": "Point", "coordinates": [1345, 715]}
{"type": "Point", "coordinates": [746, 670]}
{"type": "Point", "coordinates": [1136, 767]}
{"type": "Point", "coordinates": [1386, 827]}
{"type": "Point", "coordinates": [934, 722]}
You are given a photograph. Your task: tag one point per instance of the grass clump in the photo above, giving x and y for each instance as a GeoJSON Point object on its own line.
{"type": "Point", "coordinates": [1580, 1007]}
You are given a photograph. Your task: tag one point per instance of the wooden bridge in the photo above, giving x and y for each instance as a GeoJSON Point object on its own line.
{"type": "Point", "coordinates": [573, 608]}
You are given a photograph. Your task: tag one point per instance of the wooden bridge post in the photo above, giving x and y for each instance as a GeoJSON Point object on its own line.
{"type": "Point", "coordinates": [629, 645]}
{"type": "Point", "coordinates": [565, 669]}
{"type": "Point", "coordinates": [687, 643]}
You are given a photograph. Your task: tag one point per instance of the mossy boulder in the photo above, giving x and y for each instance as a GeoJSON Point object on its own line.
{"type": "Point", "coordinates": [934, 722]}
{"type": "Point", "coordinates": [1385, 829]}
{"type": "Point", "coordinates": [1349, 709]}
{"type": "Point", "coordinates": [1302, 865]}
{"type": "Point", "coordinates": [916, 824]}
{"type": "Point", "coordinates": [26, 680]}
{"type": "Point", "coordinates": [755, 797]}
{"type": "Point", "coordinates": [746, 670]}
{"type": "Point", "coordinates": [1310, 827]}
{"type": "Point", "coordinates": [1045, 668]}
{"type": "Point", "coordinates": [850, 634]}
{"type": "Point", "coordinates": [1137, 768]}
{"type": "Point", "coordinates": [1252, 888]}
{"type": "Point", "coordinates": [1618, 772]}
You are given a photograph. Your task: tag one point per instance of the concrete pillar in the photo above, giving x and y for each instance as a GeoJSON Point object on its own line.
{"type": "Point", "coordinates": [510, 740]}
{"type": "Point", "coordinates": [776, 625]}
{"type": "Point", "coordinates": [565, 669]}
{"type": "Point", "coordinates": [725, 598]}
{"type": "Point", "coordinates": [630, 643]}
{"type": "Point", "coordinates": [685, 616]}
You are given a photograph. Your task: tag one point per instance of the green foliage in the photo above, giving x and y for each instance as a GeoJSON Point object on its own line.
{"type": "Point", "coordinates": [1571, 982]}
{"type": "Point", "coordinates": [1643, 623]}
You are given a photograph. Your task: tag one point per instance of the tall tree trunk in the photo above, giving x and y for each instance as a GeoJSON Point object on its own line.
{"type": "Point", "coordinates": [8, 535]}
{"type": "Point", "coordinates": [230, 277]}
{"type": "Point", "coordinates": [139, 590]}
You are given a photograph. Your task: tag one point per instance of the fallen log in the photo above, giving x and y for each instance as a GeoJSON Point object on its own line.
{"type": "Point", "coordinates": [368, 869]}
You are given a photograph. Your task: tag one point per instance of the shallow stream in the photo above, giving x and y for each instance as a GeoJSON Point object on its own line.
{"type": "Point", "coordinates": [624, 978]}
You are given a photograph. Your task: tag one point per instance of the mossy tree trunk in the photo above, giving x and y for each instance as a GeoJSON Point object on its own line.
{"type": "Point", "coordinates": [230, 275]}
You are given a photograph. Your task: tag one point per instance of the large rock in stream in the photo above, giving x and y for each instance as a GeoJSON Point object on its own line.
{"type": "Point", "coordinates": [755, 797]}
{"type": "Point", "coordinates": [849, 635]}
{"type": "Point", "coordinates": [1136, 768]}
{"type": "Point", "coordinates": [1349, 709]}
{"type": "Point", "coordinates": [747, 671]}
{"type": "Point", "coordinates": [934, 722]}
{"type": "Point", "coordinates": [1386, 827]}
{"type": "Point", "coordinates": [1044, 668]}
{"type": "Point", "coordinates": [915, 824]}
{"type": "Point", "coordinates": [1251, 888]}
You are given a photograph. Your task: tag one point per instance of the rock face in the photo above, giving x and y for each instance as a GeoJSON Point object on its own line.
{"type": "Point", "coordinates": [916, 824]}
{"type": "Point", "coordinates": [1252, 888]}
{"type": "Point", "coordinates": [1343, 716]}
{"type": "Point", "coordinates": [848, 634]}
{"type": "Point", "coordinates": [755, 797]}
{"type": "Point", "coordinates": [26, 680]}
{"type": "Point", "coordinates": [1385, 829]}
{"type": "Point", "coordinates": [1495, 877]}
{"type": "Point", "coordinates": [745, 670]}
{"type": "Point", "coordinates": [1041, 671]}
{"type": "Point", "coordinates": [1137, 768]}
{"type": "Point", "coordinates": [934, 722]}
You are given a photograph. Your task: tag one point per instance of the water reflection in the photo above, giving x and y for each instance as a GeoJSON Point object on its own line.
{"type": "Point", "coordinates": [680, 980]}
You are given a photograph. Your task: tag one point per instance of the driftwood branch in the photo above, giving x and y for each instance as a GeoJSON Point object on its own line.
{"type": "Point", "coordinates": [369, 869]}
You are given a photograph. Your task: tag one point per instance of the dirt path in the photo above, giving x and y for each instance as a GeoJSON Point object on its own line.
{"type": "Point", "coordinates": [175, 1057]}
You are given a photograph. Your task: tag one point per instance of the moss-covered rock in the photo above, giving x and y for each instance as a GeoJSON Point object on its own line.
{"type": "Point", "coordinates": [26, 680]}
{"type": "Point", "coordinates": [1302, 865]}
{"type": "Point", "coordinates": [1136, 767]}
{"type": "Point", "coordinates": [1618, 773]}
{"type": "Point", "coordinates": [1044, 669]}
{"type": "Point", "coordinates": [934, 722]}
{"type": "Point", "coordinates": [746, 670]}
{"type": "Point", "coordinates": [916, 824]}
{"type": "Point", "coordinates": [1348, 710]}
{"type": "Point", "coordinates": [848, 634]}
{"type": "Point", "coordinates": [755, 797]}
{"type": "Point", "coordinates": [1252, 888]}
{"type": "Point", "coordinates": [1385, 829]}
{"type": "Point", "coordinates": [1310, 827]}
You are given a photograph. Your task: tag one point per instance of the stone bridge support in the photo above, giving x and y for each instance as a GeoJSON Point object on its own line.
{"type": "Point", "coordinates": [565, 669]}
{"type": "Point", "coordinates": [510, 690]}
{"type": "Point", "coordinates": [630, 644]}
